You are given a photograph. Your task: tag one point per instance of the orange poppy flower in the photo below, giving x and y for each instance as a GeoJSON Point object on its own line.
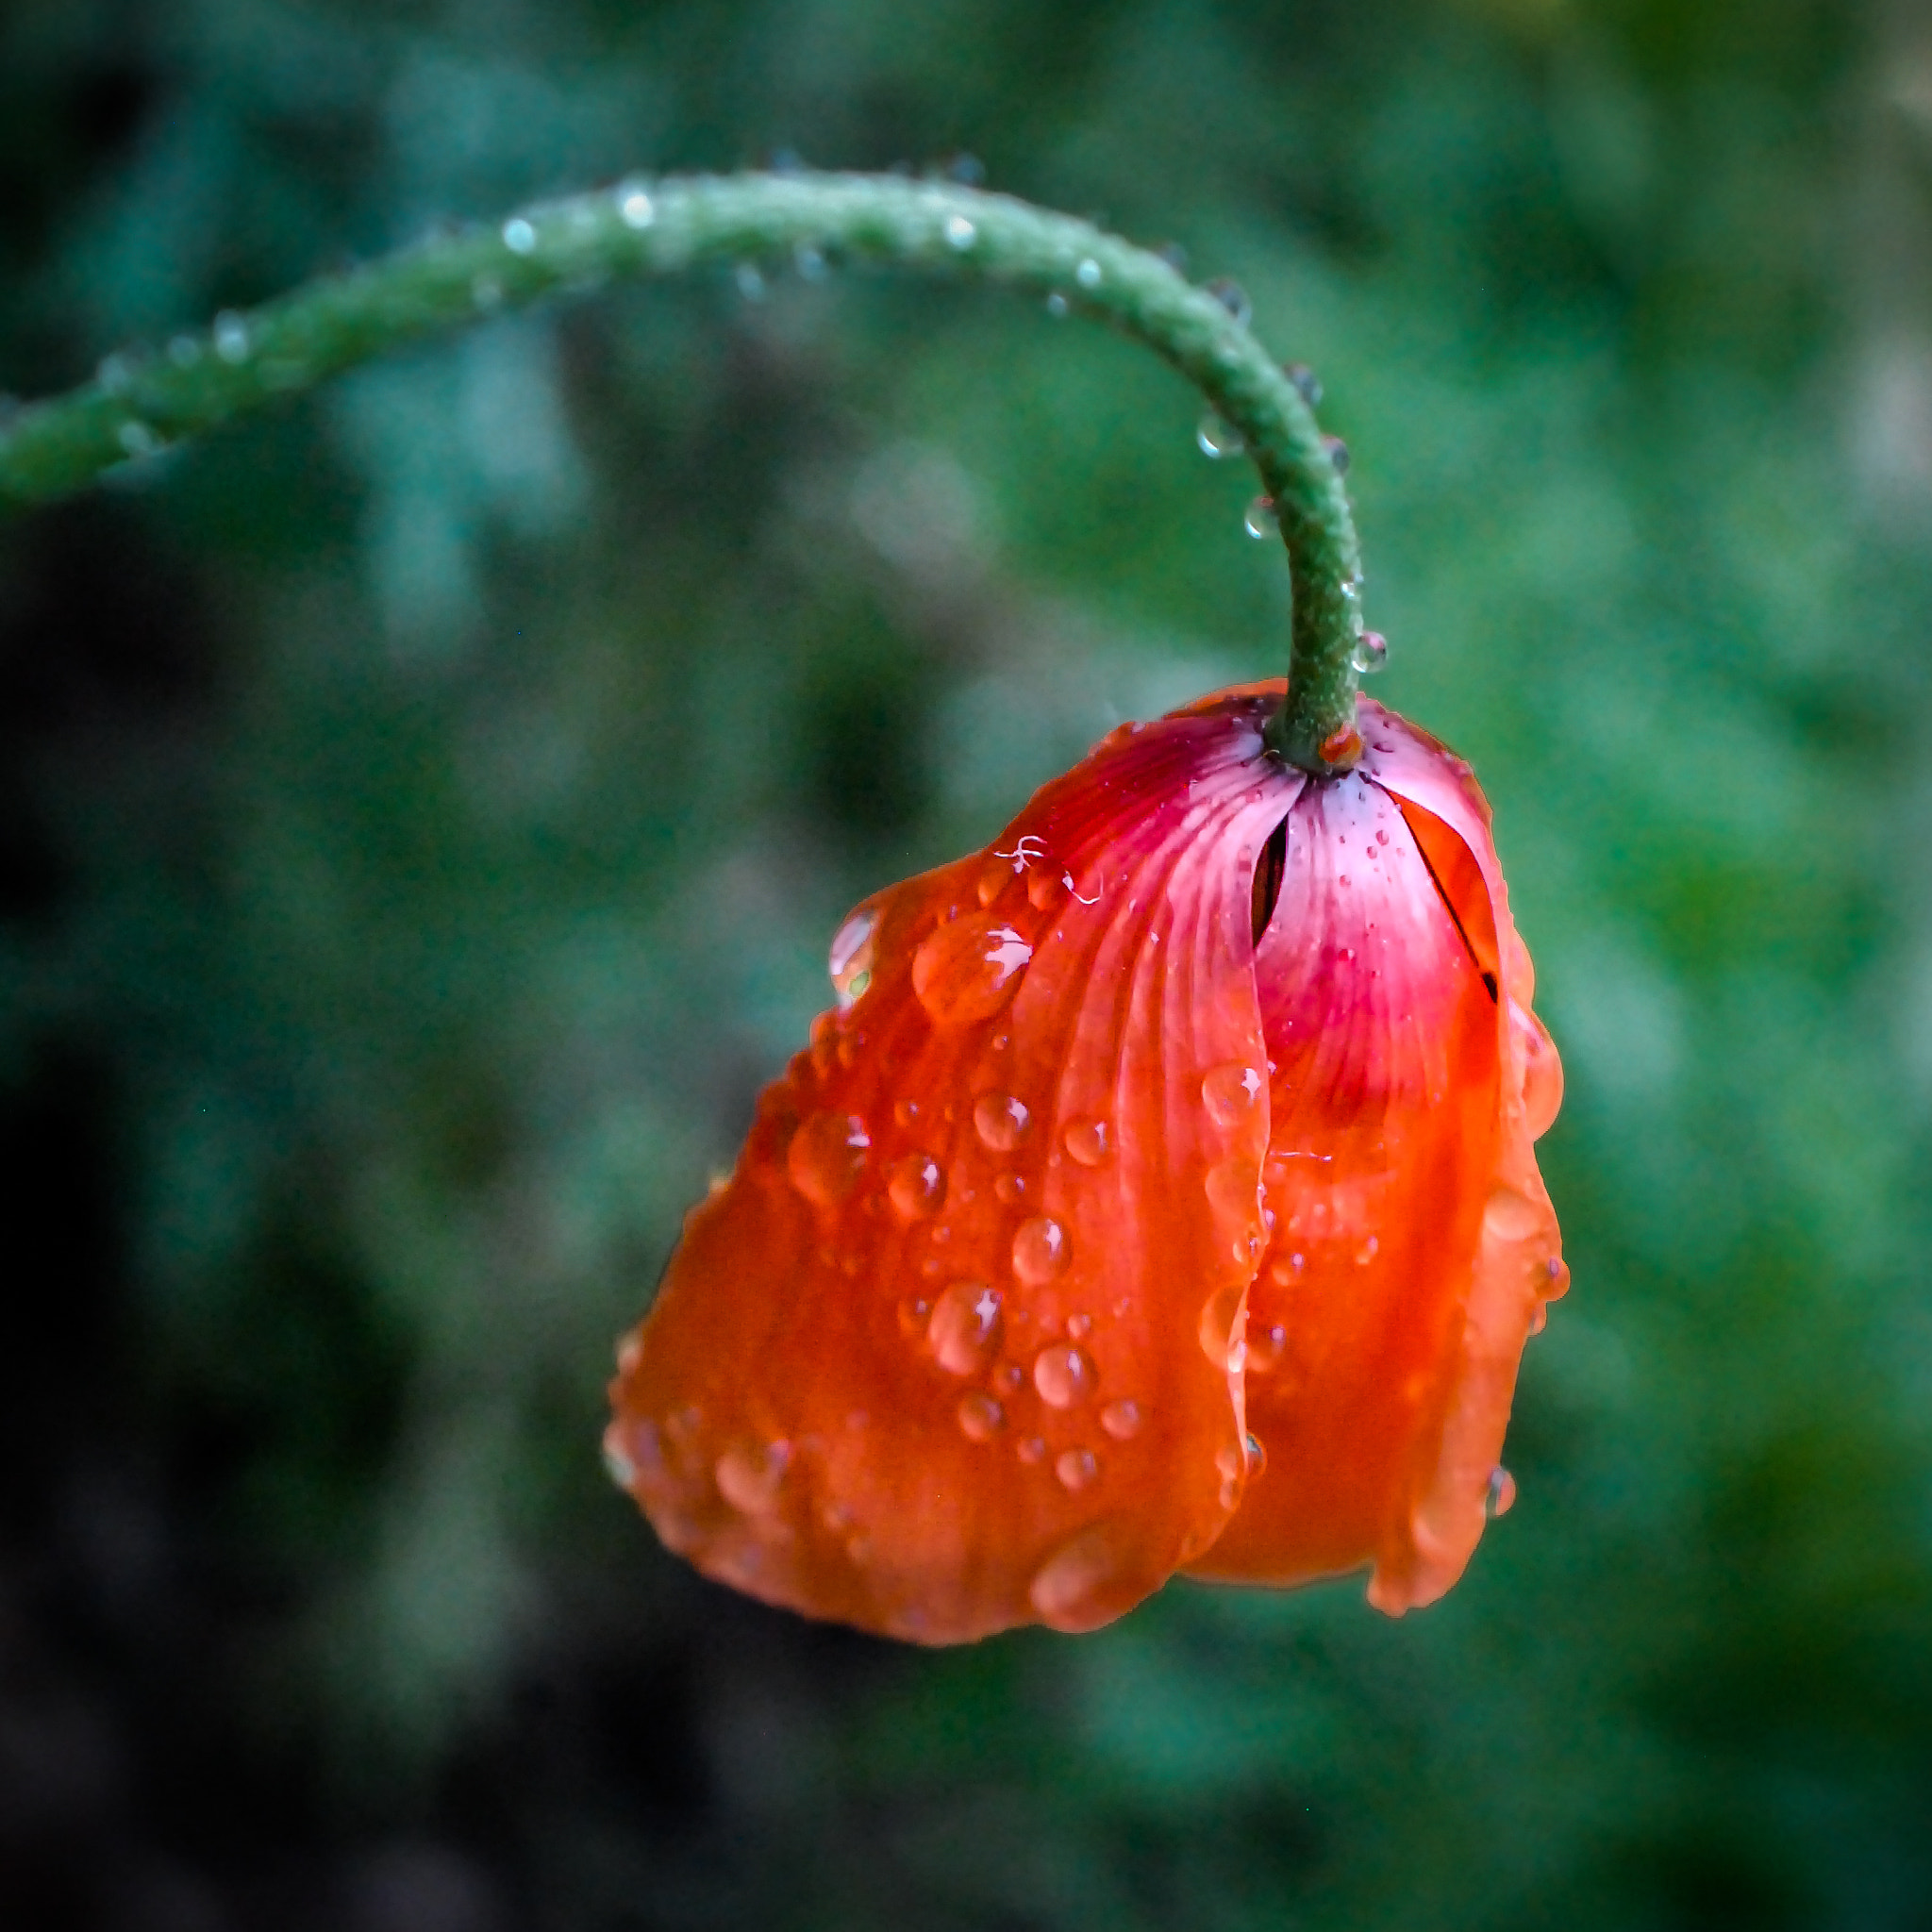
{"type": "Point", "coordinates": [1158, 1196]}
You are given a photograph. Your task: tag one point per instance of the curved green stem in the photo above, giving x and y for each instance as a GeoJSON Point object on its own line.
{"type": "Point", "coordinates": [139, 404]}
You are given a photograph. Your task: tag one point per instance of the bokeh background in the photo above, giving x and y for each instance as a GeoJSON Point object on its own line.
{"type": "Point", "coordinates": [423, 812]}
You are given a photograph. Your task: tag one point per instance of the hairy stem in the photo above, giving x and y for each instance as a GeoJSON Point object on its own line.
{"type": "Point", "coordinates": [139, 404]}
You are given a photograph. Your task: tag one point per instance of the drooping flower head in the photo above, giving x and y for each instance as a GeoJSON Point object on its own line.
{"type": "Point", "coordinates": [1158, 1196]}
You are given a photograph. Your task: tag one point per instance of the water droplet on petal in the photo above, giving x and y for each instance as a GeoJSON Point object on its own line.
{"type": "Point", "coordinates": [1500, 1494]}
{"type": "Point", "coordinates": [1234, 1189]}
{"type": "Point", "coordinates": [1220, 1314]}
{"type": "Point", "coordinates": [1088, 273]}
{"type": "Point", "coordinates": [1234, 298]}
{"type": "Point", "coordinates": [915, 1185]}
{"type": "Point", "coordinates": [1266, 1347]}
{"type": "Point", "coordinates": [1000, 1121]}
{"type": "Point", "coordinates": [1216, 439]}
{"type": "Point", "coordinates": [1058, 306]}
{"type": "Point", "coordinates": [967, 969]}
{"type": "Point", "coordinates": [1040, 1250]}
{"type": "Point", "coordinates": [1088, 1142]}
{"type": "Point", "coordinates": [1543, 1072]}
{"type": "Point", "coordinates": [1009, 1188]}
{"type": "Point", "coordinates": [964, 1327]}
{"type": "Point", "coordinates": [849, 961]}
{"type": "Point", "coordinates": [1122, 1419]}
{"type": "Point", "coordinates": [1231, 1091]}
{"type": "Point", "coordinates": [1368, 1251]}
{"type": "Point", "coordinates": [1043, 890]}
{"type": "Point", "coordinates": [1510, 1216]}
{"type": "Point", "coordinates": [1080, 1327]}
{"type": "Point", "coordinates": [915, 1311]}
{"type": "Point", "coordinates": [1063, 1375]}
{"type": "Point", "coordinates": [826, 1156]}
{"type": "Point", "coordinates": [961, 233]}
{"type": "Point", "coordinates": [1258, 1458]}
{"type": "Point", "coordinates": [1068, 1580]}
{"type": "Point", "coordinates": [1259, 520]}
{"type": "Point", "coordinates": [980, 1417]}
{"type": "Point", "coordinates": [1031, 1449]}
{"type": "Point", "coordinates": [749, 1478]}
{"type": "Point", "coordinates": [518, 237]}
{"type": "Point", "coordinates": [1076, 1468]}
{"type": "Point", "coordinates": [1371, 654]}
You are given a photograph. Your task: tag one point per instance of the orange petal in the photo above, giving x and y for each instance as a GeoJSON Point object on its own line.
{"type": "Point", "coordinates": [1384, 1106]}
{"type": "Point", "coordinates": [1406, 1273]}
{"type": "Point", "coordinates": [949, 1350]}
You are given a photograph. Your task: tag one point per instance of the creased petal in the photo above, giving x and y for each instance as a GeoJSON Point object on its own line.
{"type": "Point", "coordinates": [949, 1350]}
{"type": "Point", "coordinates": [1518, 1266]}
{"type": "Point", "coordinates": [1385, 1124]}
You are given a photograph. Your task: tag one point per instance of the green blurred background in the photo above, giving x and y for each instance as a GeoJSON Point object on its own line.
{"type": "Point", "coordinates": [423, 813]}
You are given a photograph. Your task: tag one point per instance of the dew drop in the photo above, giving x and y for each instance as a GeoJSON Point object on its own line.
{"type": "Point", "coordinates": [914, 1185]}
{"type": "Point", "coordinates": [915, 1311]}
{"type": "Point", "coordinates": [1040, 1250]}
{"type": "Point", "coordinates": [1368, 1251]}
{"type": "Point", "coordinates": [1337, 454]}
{"type": "Point", "coordinates": [138, 439]}
{"type": "Point", "coordinates": [486, 291]}
{"type": "Point", "coordinates": [1088, 273]}
{"type": "Point", "coordinates": [967, 969]}
{"type": "Point", "coordinates": [809, 262]}
{"type": "Point", "coordinates": [964, 1327]}
{"type": "Point", "coordinates": [1510, 1216]}
{"type": "Point", "coordinates": [1000, 1121]}
{"type": "Point", "coordinates": [826, 1156]}
{"type": "Point", "coordinates": [1234, 1189]}
{"type": "Point", "coordinates": [635, 206]}
{"type": "Point", "coordinates": [1305, 381]}
{"type": "Point", "coordinates": [1259, 520]}
{"type": "Point", "coordinates": [1087, 1142]}
{"type": "Point", "coordinates": [1080, 1327]}
{"type": "Point", "coordinates": [231, 337]}
{"type": "Point", "coordinates": [748, 1478]}
{"type": "Point", "coordinates": [1076, 1469]}
{"type": "Point", "coordinates": [751, 281]}
{"type": "Point", "coordinates": [1231, 1091]}
{"type": "Point", "coordinates": [629, 1351]}
{"type": "Point", "coordinates": [1234, 298]}
{"type": "Point", "coordinates": [1258, 1458]}
{"type": "Point", "coordinates": [906, 1112]}
{"type": "Point", "coordinates": [1058, 306]}
{"type": "Point", "coordinates": [1009, 1188]}
{"type": "Point", "coordinates": [1217, 438]}
{"type": "Point", "coordinates": [617, 1463]}
{"type": "Point", "coordinates": [1500, 1494]}
{"type": "Point", "coordinates": [1065, 1583]}
{"type": "Point", "coordinates": [961, 233]}
{"type": "Point", "coordinates": [849, 962]}
{"type": "Point", "coordinates": [1219, 1315]}
{"type": "Point", "coordinates": [518, 237]}
{"type": "Point", "coordinates": [1122, 1419]}
{"type": "Point", "coordinates": [1043, 891]}
{"type": "Point", "coordinates": [1543, 1072]}
{"type": "Point", "coordinates": [980, 1417]}
{"type": "Point", "coordinates": [1063, 1375]}
{"type": "Point", "coordinates": [1010, 1376]}
{"type": "Point", "coordinates": [1266, 1347]}
{"type": "Point", "coordinates": [1031, 1449]}
{"type": "Point", "coordinates": [1369, 654]}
